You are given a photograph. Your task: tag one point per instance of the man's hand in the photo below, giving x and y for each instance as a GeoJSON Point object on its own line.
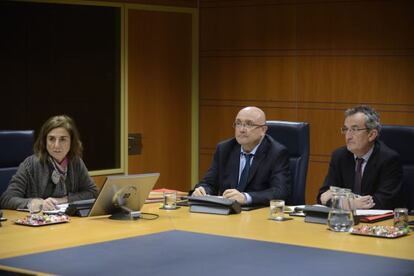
{"type": "Point", "coordinates": [200, 191]}
{"type": "Point", "coordinates": [325, 197]}
{"type": "Point", "coordinates": [364, 202]}
{"type": "Point", "coordinates": [235, 194]}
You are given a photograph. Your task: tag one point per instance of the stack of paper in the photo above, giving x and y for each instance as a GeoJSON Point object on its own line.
{"type": "Point", "coordinates": [157, 195]}
{"type": "Point", "coordinates": [373, 215]}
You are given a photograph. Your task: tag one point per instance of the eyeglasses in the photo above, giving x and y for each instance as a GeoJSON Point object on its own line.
{"type": "Point", "coordinates": [246, 125]}
{"type": "Point", "coordinates": [352, 130]}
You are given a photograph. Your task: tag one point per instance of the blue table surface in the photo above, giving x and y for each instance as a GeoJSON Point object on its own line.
{"type": "Point", "coordinates": [187, 253]}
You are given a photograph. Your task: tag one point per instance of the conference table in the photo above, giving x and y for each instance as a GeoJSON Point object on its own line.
{"type": "Point", "coordinates": [179, 242]}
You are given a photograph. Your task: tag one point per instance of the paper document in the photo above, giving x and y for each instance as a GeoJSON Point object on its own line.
{"type": "Point", "coordinates": [291, 208]}
{"type": "Point", "coordinates": [371, 212]}
{"type": "Point", "coordinates": [60, 208]}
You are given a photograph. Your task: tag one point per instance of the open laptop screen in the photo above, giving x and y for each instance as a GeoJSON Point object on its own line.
{"type": "Point", "coordinates": [123, 194]}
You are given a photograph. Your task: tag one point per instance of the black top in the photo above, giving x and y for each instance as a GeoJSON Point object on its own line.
{"type": "Point", "coordinates": [382, 178]}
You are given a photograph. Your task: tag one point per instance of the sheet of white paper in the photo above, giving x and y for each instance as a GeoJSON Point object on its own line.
{"type": "Point", "coordinates": [371, 212]}
{"type": "Point", "coordinates": [60, 208]}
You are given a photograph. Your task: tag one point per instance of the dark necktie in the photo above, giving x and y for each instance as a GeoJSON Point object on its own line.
{"type": "Point", "coordinates": [358, 176]}
{"type": "Point", "coordinates": [245, 173]}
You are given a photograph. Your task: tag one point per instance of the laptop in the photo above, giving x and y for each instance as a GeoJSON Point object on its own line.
{"type": "Point", "coordinates": [121, 196]}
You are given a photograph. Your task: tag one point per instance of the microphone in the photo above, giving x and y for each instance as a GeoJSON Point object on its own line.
{"type": "Point", "coordinates": [120, 200]}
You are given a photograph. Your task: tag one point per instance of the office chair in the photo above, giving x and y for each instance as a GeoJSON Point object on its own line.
{"type": "Point", "coordinates": [15, 146]}
{"type": "Point", "coordinates": [295, 137]}
{"type": "Point", "coordinates": [401, 139]}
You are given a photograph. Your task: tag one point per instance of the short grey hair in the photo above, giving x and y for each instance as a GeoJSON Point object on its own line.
{"type": "Point", "coordinates": [372, 118]}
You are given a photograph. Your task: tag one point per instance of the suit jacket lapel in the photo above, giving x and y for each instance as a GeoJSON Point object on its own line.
{"type": "Point", "coordinates": [232, 169]}
{"type": "Point", "coordinates": [369, 170]}
{"type": "Point", "coordinates": [349, 177]}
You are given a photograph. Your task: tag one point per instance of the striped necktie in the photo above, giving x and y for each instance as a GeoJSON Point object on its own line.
{"type": "Point", "coordinates": [358, 176]}
{"type": "Point", "coordinates": [245, 173]}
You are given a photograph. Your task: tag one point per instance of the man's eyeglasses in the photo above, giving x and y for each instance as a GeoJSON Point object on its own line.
{"type": "Point", "coordinates": [351, 130]}
{"type": "Point", "coordinates": [246, 125]}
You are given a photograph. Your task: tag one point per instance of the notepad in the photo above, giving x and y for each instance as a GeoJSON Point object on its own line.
{"type": "Point", "coordinates": [372, 212]}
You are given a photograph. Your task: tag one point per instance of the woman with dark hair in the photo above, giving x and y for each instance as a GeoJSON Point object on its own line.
{"type": "Point", "coordinates": [55, 173]}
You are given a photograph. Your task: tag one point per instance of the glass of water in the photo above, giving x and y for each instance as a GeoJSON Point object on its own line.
{"type": "Point", "coordinates": [277, 207]}
{"type": "Point", "coordinates": [401, 218]}
{"type": "Point", "coordinates": [170, 200]}
{"type": "Point", "coordinates": [35, 206]}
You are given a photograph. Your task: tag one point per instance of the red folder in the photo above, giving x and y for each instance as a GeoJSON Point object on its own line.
{"type": "Point", "coordinates": [376, 218]}
{"type": "Point", "coordinates": [157, 195]}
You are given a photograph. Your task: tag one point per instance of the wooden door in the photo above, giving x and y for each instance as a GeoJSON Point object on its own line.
{"type": "Point", "coordinates": [159, 94]}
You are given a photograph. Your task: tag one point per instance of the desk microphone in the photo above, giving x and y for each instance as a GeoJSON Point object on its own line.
{"type": "Point", "coordinates": [120, 200]}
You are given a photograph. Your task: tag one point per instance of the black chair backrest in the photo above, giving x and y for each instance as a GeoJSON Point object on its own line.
{"type": "Point", "coordinates": [401, 139]}
{"type": "Point", "coordinates": [15, 146]}
{"type": "Point", "coordinates": [295, 137]}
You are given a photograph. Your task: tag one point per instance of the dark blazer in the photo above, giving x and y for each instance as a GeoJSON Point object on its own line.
{"type": "Point", "coordinates": [382, 178]}
{"type": "Point", "coordinates": [269, 175]}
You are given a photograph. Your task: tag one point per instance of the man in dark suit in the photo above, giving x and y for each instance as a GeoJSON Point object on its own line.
{"type": "Point", "coordinates": [251, 168]}
{"type": "Point", "coordinates": [365, 165]}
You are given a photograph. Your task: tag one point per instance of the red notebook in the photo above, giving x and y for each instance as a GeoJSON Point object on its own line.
{"type": "Point", "coordinates": [376, 218]}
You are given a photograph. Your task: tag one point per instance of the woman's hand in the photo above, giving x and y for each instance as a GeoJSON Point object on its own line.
{"type": "Point", "coordinates": [50, 203]}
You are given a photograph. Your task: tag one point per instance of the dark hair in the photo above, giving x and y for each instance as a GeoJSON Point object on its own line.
{"type": "Point", "coordinates": [65, 122]}
{"type": "Point", "coordinates": [372, 118]}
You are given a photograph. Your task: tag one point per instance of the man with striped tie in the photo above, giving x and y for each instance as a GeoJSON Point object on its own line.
{"type": "Point", "coordinates": [365, 165]}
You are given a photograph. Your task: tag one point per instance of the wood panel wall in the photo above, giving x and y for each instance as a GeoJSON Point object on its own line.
{"type": "Point", "coordinates": [304, 61]}
{"type": "Point", "coordinates": [159, 94]}
{"type": "Point", "coordinates": [170, 3]}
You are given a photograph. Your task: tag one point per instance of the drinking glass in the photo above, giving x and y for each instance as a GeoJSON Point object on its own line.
{"type": "Point", "coordinates": [277, 207]}
{"type": "Point", "coordinates": [35, 206]}
{"type": "Point", "coordinates": [401, 218]}
{"type": "Point", "coordinates": [170, 200]}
